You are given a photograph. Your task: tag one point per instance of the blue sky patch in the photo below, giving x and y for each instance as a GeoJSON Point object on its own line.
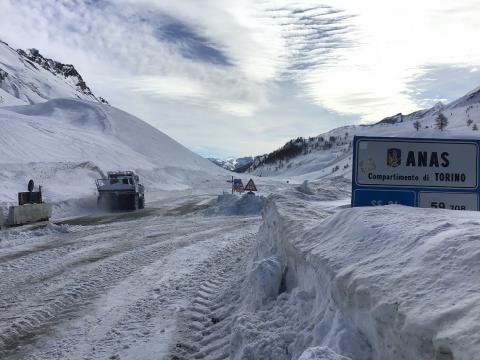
{"type": "Point", "coordinates": [443, 83]}
{"type": "Point", "coordinates": [190, 44]}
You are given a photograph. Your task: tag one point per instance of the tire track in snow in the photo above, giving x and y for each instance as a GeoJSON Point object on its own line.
{"type": "Point", "coordinates": [36, 312]}
{"type": "Point", "coordinates": [206, 323]}
{"type": "Point", "coordinates": [27, 275]}
{"type": "Point", "coordinates": [142, 320]}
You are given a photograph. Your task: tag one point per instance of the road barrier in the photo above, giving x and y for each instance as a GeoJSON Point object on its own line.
{"type": "Point", "coordinates": [28, 213]}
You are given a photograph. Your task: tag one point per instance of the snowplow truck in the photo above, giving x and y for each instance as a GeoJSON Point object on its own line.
{"type": "Point", "coordinates": [120, 191]}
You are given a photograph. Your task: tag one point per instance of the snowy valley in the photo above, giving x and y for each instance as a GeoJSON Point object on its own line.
{"type": "Point", "coordinates": [292, 272]}
{"type": "Point", "coordinates": [55, 130]}
{"type": "Point", "coordinates": [330, 154]}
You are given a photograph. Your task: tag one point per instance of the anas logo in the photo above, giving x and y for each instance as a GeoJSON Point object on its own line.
{"type": "Point", "coordinates": [394, 157]}
{"type": "Point", "coordinates": [367, 166]}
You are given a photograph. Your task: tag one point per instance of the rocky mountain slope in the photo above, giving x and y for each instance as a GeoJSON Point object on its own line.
{"type": "Point", "coordinates": [27, 77]}
{"type": "Point", "coordinates": [238, 165]}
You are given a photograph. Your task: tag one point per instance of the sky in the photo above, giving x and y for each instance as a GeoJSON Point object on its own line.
{"type": "Point", "coordinates": [241, 77]}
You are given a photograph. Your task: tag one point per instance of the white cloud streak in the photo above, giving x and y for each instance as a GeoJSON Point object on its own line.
{"type": "Point", "coordinates": [224, 58]}
{"type": "Point", "coordinates": [118, 40]}
{"type": "Point", "coordinates": [390, 45]}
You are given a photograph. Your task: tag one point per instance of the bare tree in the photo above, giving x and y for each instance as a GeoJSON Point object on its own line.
{"type": "Point", "coordinates": [469, 122]}
{"type": "Point", "coordinates": [417, 125]}
{"type": "Point", "coordinates": [474, 127]}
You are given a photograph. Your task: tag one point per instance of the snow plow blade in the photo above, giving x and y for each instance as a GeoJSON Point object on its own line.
{"type": "Point", "coordinates": [113, 201]}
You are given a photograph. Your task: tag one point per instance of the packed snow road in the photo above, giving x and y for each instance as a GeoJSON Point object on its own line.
{"type": "Point", "coordinates": [113, 286]}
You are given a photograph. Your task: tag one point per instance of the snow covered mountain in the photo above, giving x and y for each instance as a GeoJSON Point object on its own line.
{"type": "Point", "coordinates": [239, 165]}
{"type": "Point", "coordinates": [56, 131]}
{"type": "Point", "coordinates": [330, 154]}
{"type": "Point", "coordinates": [26, 77]}
{"type": "Point", "coordinates": [66, 143]}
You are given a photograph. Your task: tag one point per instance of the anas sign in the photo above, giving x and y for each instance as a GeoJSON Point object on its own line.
{"type": "Point", "coordinates": [434, 173]}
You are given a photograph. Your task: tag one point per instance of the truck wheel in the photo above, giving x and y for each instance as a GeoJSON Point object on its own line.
{"type": "Point", "coordinates": [141, 204]}
{"type": "Point", "coordinates": [136, 204]}
{"type": "Point", "coordinates": [100, 203]}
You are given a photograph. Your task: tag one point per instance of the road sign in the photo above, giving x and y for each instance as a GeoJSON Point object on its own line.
{"type": "Point", "coordinates": [237, 185]}
{"type": "Point", "coordinates": [367, 197]}
{"type": "Point", "coordinates": [250, 186]}
{"type": "Point", "coordinates": [436, 173]}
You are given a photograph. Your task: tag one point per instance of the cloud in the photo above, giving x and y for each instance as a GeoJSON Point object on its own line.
{"type": "Point", "coordinates": [212, 65]}
{"type": "Point", "coordinates": [137, 44]}
{"type": "Point", "coordinates": [439, 82]}
{"type": "Point", "coordinates": [384, 48]}
{"type": "Point", "coordinates": [167, 87]}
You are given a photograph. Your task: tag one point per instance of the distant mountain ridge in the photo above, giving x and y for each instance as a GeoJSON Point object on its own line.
{"type": "Point", "coordinates": [238, 165]}
{"type": "Point", "coordinates": [329, 154]}
{"type": "Point", "coordinates": [27, 77]}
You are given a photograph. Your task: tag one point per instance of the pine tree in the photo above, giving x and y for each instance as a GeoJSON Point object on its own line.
{"type": "Point", "coordinates": [469, 122]}
{"type": "Point", "coordinates": [441, 122]}
{"type": "Point", "coordinates": [417, 125]}
{"type": "Point", "coordinates": [474, 127]}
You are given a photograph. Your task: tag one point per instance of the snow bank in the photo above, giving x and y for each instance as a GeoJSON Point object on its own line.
{"type": "Point", "coordinates": [65, 144]}
{"type": "Point", "coordinates": [285, 307]}
{"type": "Point", "coordinates": [228, 204]}
{"type": "Point", "coordinates": [305, 188]}
{"type": "Point", "coordinates": [78, 131]}
{"type": "Point", "coordinates": [383, 283]}
{"type": "Point", "coordinates": [321, 353]}
{"type": "Point", "coordinates": [16, 236]}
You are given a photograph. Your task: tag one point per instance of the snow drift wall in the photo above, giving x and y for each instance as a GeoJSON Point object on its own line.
{"type": "Point", "coordinates": [369, 283]}
{"type": "Point", "coordinates": [231, 204]}
{"type": "Point", "coordinates": [65, 144]}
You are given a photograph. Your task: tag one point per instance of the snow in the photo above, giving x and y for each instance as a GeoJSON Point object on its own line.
{"type": "Point", "coordinates": [64, 139]}
{"type": "Point", "coordinates": [322, 161]}
{"type": "Point", "coordinates": [87, 131]}
{"type": "Point", "coordinates": [305, 188]}
{"type": "Point", "coordinates": [29, 83]}
{"type": "Point", "coordinates": [362, 283]}
{"type": "Point", "coordinates": [65, 144]}
{"type": "Point", "coordinates": [320, 280]}
{"type": "Point", "coordinates": [233, 164]}
{"type": "Point", "coordinates": [112, 286]}
{"type": "Point", "coordinates": [247, 204]}
{"type": "Point", "coordinates": [200, 275]}
{"type": "Point", "coordinates": [323, 281]}
{"type": "Point", "coordinates": [275, 320]}
{"type": "Point", "coordinates": [321, 353]}
{"type": "Point", "coordinates": [9, 100]}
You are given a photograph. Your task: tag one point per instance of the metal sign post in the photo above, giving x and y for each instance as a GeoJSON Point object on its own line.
{"type": "Point", "coordinates": [431, 173]}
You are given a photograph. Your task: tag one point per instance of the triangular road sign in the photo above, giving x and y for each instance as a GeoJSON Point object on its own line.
{"type": "Point", "coordinates": [250, 186]}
